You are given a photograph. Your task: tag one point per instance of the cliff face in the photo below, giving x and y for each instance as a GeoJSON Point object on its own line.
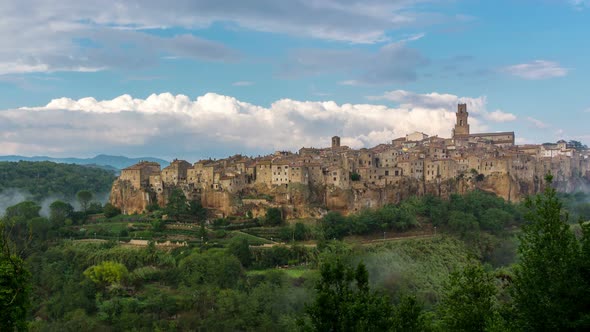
{"type": "Point", "coordinates": [130, 199]}
{"type": "Point", "coordinates": [304, 201]}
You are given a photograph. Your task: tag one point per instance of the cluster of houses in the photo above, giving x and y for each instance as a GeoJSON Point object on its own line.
{"type": "Point", "coordinates": [417, 155]}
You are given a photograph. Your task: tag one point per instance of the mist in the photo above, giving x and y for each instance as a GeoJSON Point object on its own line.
{"type": "Point", "coordinates": [13, 196]}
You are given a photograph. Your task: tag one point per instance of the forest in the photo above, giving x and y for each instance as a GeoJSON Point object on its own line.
{"type": "Point", "coordinates": [473, 262]}
{"type": "Point", "coordinates": [44, 180]}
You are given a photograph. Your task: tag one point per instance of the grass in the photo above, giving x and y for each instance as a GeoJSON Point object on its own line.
{"type": "Point", "coordinates": [252, 240]}
{"type": "Point", "coordinates": [294, 273]}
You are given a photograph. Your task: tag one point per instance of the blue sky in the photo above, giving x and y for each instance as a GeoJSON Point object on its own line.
{"type": "Point", "coordinates": [255, 76]}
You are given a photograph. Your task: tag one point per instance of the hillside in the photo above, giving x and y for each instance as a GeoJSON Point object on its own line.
{"type": "Point", "coordinates": [117, 162]}
{"type": "Point", "coordinates": [44, 180]}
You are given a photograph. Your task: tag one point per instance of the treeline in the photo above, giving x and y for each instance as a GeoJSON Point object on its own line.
{"type": "Point", "coordinates": [45, 179]}
{"type": "Point", "coordinates": [461, 214]}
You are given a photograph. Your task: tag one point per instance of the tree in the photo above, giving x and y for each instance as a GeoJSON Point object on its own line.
{"type": "Point", "coordinates": [469, 300]}
{"type": "Point", "coordinates": [177, 205]}
{"type": "Point", "coordinates": [340, 306]}
{"type": "Point", "coordinates": [333, 225]}
{"type": "Point", "coordinates": [59, 211]}
{"type": "Point", "coordinates": [196, 210]}
{"type": "Point", "coordinates": [300, 231]}
{"type": "Point", "coordinates": [495, 219]}
{"type": "Point", "coordinates": [545, 289]}
{"type": "Point", "coordinates": [84, 197]}
{"type": "Point", "coordinates": [110, 210]}
{"type": "Point", "coordinates": [14, 287]}
{"type": "Point", "coordinates": [24, 210]}
{"type": "Point", "coordinates": [241, 249]}
{"type": "Point", "coordinates": [583, 287]}
{"type": "Point", "coordinates": [577, 145]}
{"type": "Point", "coordinates": [462, 222]}
{"type": "Point", "coordinates": [274, 217]}
{"type": "Point", "coordinates": [408, 316]}
{"type": "Point", "coordinates": [107, 273]}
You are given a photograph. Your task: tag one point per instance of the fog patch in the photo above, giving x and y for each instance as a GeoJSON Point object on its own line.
{"type": "Point", "coordinates": [12, 196]}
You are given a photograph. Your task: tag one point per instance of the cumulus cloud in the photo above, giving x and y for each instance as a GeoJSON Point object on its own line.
{"type": "Point", "coordinates": [170, 126]}
{"type": "Point", "coordinates": [435, 100]}
{"type": "Point", "coordinates": [499, 116]}
{"type": "Point", "coordinates": [536, 70]}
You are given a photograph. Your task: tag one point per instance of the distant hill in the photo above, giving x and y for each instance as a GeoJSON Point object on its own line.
{"type": "Point", "coordinates": [102, 160]}
{"type": "Point", "coordinates": [47, 181]}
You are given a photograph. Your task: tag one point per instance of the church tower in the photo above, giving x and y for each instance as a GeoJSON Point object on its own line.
{"type": "Point", "coordinates": [335, 142]}
{"type": "Point", "coordinates": [462, 126]}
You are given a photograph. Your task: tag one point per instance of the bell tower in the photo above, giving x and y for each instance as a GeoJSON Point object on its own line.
{"type": "Point", "coordinates": [335, 142]}
{"type": "Point", "coordinates": [462, 126]}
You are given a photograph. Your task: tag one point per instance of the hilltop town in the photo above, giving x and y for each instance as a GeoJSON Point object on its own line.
{"type": "Point", "coordinates": [340, 178]}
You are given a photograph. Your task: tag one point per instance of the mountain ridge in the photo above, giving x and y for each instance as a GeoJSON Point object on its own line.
{"type": "Point", "coordinates": [118, 162]}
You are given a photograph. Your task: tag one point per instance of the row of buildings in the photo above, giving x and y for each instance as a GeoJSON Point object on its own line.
{"type": "Point", "coordinates": [417, 155]}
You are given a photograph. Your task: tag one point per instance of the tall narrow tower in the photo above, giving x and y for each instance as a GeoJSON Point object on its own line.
{"type": "Point", "coordinates": [335, 142]}
{"type": "Point", "coordinates": [462, 126]}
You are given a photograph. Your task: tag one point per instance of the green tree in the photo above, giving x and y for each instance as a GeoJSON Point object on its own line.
{"type": "Point", "coordinates": [408, 316]}
{"type": "Point", "coordinates": [177, 205]}
{"type": "Point", "coordinates": [14, 287]}
{"type": "Point", "coordinates": [59, 211]}
{"type": "Point", "coordinates": [107, 273]}
{"type": "Point", "coordinates": [241, 249]}
{"type": "Point", "coordinates": [583, 287]}
{"type": "Point", "coordinates": [274, 217]}
{"type": "Point", "coordinates": [333, 226]}
{"type": "Point", "coordinates": [300, 231]}
{"type": "Point", "coordinates": [197, 211]}
{"type": "Point", "coordinates": [577, 145]}
{"type": "Point", "coordinates": [469, 300]}
{"type": "Point", "coordinates": [84, 198]}
{"type": "Point", "coordinates": [544, 290]}
{"type": "Point", "coordinates": [110, 210]}
{"type": "Point", "coordinates": [463, 223]}
{"type": "Point", "coordinates": [344, 301]}
{"type": "Point", "coordinates": [24, 210]}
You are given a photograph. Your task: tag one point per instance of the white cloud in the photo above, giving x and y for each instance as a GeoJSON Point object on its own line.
{"type": "Point", "coordinates": [243, 83]}
{"type": "Point", "coordinates": [537, 123]}
{"type": "Point", "coordinates": [435, 100]}
{"type": "Point", "coordinates": [499, 116]}
{"type": "Point", "coordinates": [536, 70]}
{"type": "Point", "coordinates": [210, 125]}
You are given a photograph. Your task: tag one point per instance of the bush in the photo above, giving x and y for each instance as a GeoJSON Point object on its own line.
{"type": "Point", "coordinates": [111, 211]}
{"type": "Point", "coordinates": [274, 217]}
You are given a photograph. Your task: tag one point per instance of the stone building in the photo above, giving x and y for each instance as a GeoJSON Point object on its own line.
{"type": "Point", "coordinates": [139, 173]}
{"type": "Point", "coordinates": [176, 172]}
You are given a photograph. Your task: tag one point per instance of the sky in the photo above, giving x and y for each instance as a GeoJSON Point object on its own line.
{"type": "Point", "coordinates": [196, 79]}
